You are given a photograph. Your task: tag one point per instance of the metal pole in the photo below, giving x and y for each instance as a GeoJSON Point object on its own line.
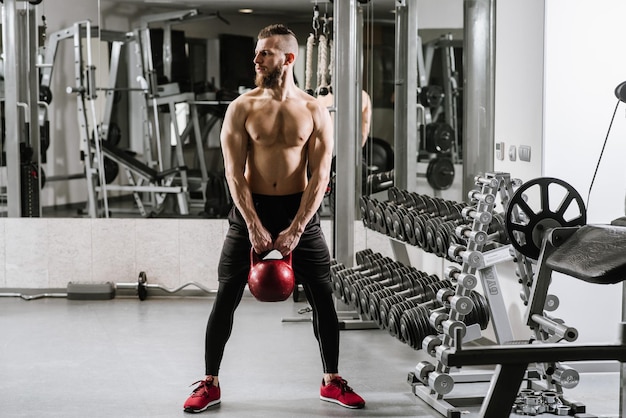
{"type": "Point", "coordinates": [11, 111]}
{"type": "Point", "coordinates": [32, 98]}
{"type": "Point", "coordinates": [478, 89]}
{"type": "Point", "coordinates": [405, 112]}
{"type": "Point", "coordinates": [345, 90]}
{"type": "Point", "coordinates": [622, 366]}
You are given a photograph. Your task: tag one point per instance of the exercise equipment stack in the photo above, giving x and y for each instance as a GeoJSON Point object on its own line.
{"type": "Point", "coordinates": [444, 316]}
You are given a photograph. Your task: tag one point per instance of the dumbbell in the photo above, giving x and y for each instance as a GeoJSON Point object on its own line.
{"type": "Point", "coordinates": [363, 261]}
{"type": "Point", "coordinates": [465, 280]}
{"type": "Point", "coordinates": [426, 300]}
{"type": "Point", "coordinates": [353, 283]}
{"type": "Point", "coordinates": [365, 215]}
{"type": "Point", "coordinates": [478, 196]}
{"type": "Point", "coordinates": [393, 210]}
{"type": "Point", "coordinates": [465, 232]}
{"type": "Point", "coordinates": [369, 263]}
{"type": "Point", "coordinates": [472, 309]}
{"type": "Point", "coordinates": [435, 207]}
{"type": "Point", "coordinates": [376, 210]}
{"type": "Point", "coordinates": [497, 229]}
{"type": "Point", "coordinates": [343, 277]}
{"type": "Point", "coordinates": [445, 236]}
{"type": "Point", "coordinates": [470, 213]}
{"type": "Point", "coordinates": [442, 383]}
{"type": "Point", "coordinates": [422, 224]}
{"type": "Point", "coordinates": [400, 279]}
{"type": "Point", "coordinates": [395, 294]}
{"type": "Point", "coordinates": [361, 255]}
{"type": "Point", "coordinates": [407, 202]}
{"type": "Point", "coordinates": [459, 253]}
{"type": "Point", "coordinates": [419, 203]}
{"type": "Point", "coordinates": [378, 182]}
{"type": "Point", "coordinates": [346, 276]}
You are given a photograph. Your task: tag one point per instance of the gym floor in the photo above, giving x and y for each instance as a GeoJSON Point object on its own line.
{"type": "Point", "coordinates": [126, 358]}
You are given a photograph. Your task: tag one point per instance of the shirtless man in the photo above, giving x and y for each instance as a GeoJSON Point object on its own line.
{"type": "Point", "coordinates": [277, 143]}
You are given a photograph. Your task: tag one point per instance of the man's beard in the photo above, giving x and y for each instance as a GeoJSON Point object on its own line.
{"type": "Point", "coordinates": [269, 80]}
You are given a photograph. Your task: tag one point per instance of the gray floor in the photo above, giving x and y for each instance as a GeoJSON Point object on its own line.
{"type": "Point", "coordinates": [126, 358]}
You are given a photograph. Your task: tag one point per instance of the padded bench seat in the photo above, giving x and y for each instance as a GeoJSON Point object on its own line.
{"type": "Point", "coordinates": [594, 253]}
{"type": "Point", "coordinates": [122, 157]}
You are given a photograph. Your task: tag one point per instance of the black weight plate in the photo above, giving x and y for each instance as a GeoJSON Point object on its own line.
{"type": "Point", "coordinates": [440, 173]}
{"type": "Point", "coordinates": [526, 233]}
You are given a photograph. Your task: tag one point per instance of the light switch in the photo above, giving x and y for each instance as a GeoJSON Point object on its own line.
{"type": "Point", "coordinates": [524, 153]}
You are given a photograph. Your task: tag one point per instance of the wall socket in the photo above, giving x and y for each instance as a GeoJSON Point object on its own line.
{"type": "Point", "coordinates": [512, 153]}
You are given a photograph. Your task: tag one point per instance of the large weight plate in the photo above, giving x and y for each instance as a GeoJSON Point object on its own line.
{"type": "Point", "coordinates": [440, 173]}
{"type": "Point", "coordinates": [527, 225]}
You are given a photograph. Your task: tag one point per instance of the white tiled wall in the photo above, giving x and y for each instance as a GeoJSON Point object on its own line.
{"type": "Point", "coordinates": [50, 252]}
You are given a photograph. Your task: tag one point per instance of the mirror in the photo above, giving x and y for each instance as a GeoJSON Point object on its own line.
{"type": "Point", "coordinates": [130, 50]}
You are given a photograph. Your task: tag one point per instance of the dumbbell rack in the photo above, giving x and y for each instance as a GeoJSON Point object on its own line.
{"type": "Point", "coordinates": [478, 257]}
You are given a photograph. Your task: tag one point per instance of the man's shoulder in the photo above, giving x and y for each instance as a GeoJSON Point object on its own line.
{"type": "Point", "coordinates": [248, 96]}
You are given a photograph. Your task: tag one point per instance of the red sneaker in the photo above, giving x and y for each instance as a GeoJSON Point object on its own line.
{"type": "Point", "coordinates": [205, 395]}
{"type": "Point", "coordinates": [339, 392]}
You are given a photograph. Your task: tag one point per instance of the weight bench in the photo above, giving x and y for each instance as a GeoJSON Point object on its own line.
{"type": "Point", "coordinates": [592, 253]}
{"type": "Point", "coordinates": [143, 178]}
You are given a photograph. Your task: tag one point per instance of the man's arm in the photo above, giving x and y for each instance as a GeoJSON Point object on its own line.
{"type": "Point", "coordinates": [234, 141]}
{"type": "Point", "coordinates": [366, 116]}
{"type": "Point", "coordinates": [320, 152]}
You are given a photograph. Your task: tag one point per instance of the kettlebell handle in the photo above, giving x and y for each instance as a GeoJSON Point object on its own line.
{"type": "Point", "coordinates": [255, 259]}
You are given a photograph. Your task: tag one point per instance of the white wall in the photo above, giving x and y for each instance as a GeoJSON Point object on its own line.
{"type": "Point", "coordinates": [518, 114]}
{"type": "Point", "coordinates": [555, 75]}
{"type": "Point", "coordinates": [585, 61]}
{"type": "Point", "coordinates": [519, 84]}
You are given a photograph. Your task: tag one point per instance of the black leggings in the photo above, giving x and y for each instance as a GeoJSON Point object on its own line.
{"type": "Point", "coordinates": [325, 324]}
{"type": "Point", "coordinates": [311, 265]}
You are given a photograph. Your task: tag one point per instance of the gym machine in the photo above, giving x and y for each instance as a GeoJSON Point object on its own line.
{"type": "Point", "coordinates": [23, 149]}
{"type": "Point", "coordinates": [163, 94]}
{"type": "Point", "coordinates": [418, 130]}
{"type": "Point", "coordinates": [561, 245]}
{"type": "Point", "coordinates": [99, 138]}
{"type": "Point", "coordinates": [428, 317]}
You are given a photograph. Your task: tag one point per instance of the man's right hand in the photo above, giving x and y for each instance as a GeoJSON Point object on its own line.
{"type": "Point", "coordinates": [261, 239]}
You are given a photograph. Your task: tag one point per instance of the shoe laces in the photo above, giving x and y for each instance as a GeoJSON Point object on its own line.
{"type": "Point", "coordinates": [203, 386]}
{"type": "Point", "coordinates": [342, 384]}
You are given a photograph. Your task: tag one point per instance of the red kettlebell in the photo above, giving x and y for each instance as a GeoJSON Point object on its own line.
{"type": "Point", "coordinates": [270, 280]}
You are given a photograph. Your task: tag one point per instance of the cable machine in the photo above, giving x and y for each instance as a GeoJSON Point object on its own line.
{"type": "Point", "coordinates": [21, 109]}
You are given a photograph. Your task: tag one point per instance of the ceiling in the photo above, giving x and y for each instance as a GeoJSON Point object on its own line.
{"type": "Point", "coordinates": [295, 9]}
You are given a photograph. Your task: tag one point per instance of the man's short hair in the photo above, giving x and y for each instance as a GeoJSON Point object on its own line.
{"type": "Point", "coordinates": [275, 29]}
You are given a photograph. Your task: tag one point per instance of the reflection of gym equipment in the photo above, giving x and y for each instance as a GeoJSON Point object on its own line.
{"type": "Point", "coordinates": [439, 174]}
{"type": "Point", "coordinates": [98, 138]}
{"type": "Point", "coordinates": [378, 155]}
{"type": "Point", "coordinates": [150, 179]}
{"type": "Point", "coordinates": [437, 110]}
{"type": "Point", "coordinates": [443, 102]}
{"type": "Point", "coordinates": [25, 116]}
{"type": "Point", "coordinates": [163, 76]}
{"type": "Point", "coordinates": [158, 183]}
